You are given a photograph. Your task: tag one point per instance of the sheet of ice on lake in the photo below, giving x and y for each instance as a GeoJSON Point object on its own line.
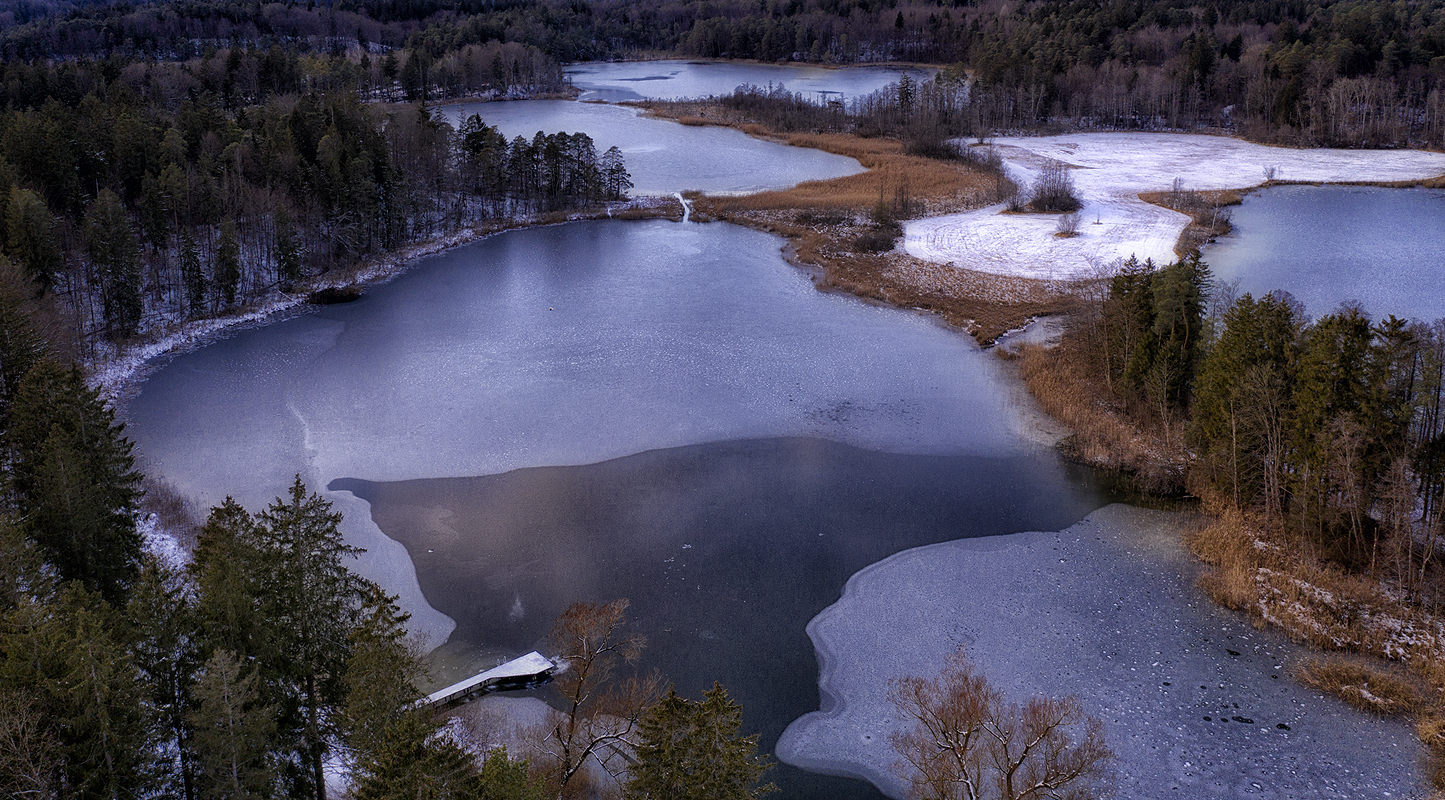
{"type": "Point", "coordinates": [665, 80]}
{"type": "Point", "coordinates": [1192, 697]}
{"type": "Point", "coordinates": [564, 345]}
{"type": "Point", "coordinates": [662, 156]}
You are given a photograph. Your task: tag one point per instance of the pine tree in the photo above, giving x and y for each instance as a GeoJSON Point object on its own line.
{"type": "Point", "coordinates": [233, 732]}
{"type": "Point", "coordinates": [398, 755]}
{"type": "Point", "coordinates": [115, 254]}
{"type": "Point", "coordinates": [692, 751]}
{"type": "Point", "coordinates": [1241, 397]}
{"type": "Point", "coordinates": [166, 649]}
{"type": "Point", "coordinates": [30, 237]}
{"type": "Point", "coordinates": [21, 345]}
{"type": "Point", "coordinates": [1180, 292]}
{"type": "Point", "coordinates": [288, 252]}
{"type": "Point", "coordinates": [614, 174]}
{"type": "Point", "coordinates": [1338, 404]}
{"type": "Point", "coordinates": [503, 778]}
{"type": "Point", "coordinates": [72, 475]}
{"type": "Point", "coordinates": [193, 276]}
{"type": "Point", "coordinates": [69, 655]}
{"type": "Point", "coordinates": [312, 607]}
{"type": "Point", "coordinates": [228, 264]}
{"type": "Point", "coordinates": [228, 571]}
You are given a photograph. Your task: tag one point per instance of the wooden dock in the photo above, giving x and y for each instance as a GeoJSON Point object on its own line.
{"type": "Point", "coordinates": [519, 673]}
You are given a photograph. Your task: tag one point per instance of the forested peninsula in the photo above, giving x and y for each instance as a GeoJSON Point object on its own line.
{"type": "Point", "coordinates": [168, 162]}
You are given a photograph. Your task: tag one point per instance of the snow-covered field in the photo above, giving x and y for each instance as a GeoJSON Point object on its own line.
{"type": "Point", "coordinates": [1109, 171]}
{"type": "Point", "coordinates": [1194, 701]}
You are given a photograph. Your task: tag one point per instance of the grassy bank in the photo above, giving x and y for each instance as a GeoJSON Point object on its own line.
{"type": "Point", "coordinates": [1386, 651]}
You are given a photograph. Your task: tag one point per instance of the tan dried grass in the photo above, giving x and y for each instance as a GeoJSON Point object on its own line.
{"type": "Point", "coordinates": [1364, 686]}
{"type": "Point", "coordinates": [1103, 436]}
{"type": "Point", "coordinates": [937, 186]}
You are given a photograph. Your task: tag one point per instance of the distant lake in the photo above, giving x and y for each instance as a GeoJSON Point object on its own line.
{"type": "Point", "coordinates": [671, 80]}
{"type": "Point", "coordinates": [1384, 248]}
{"type": "Point", "coordinates": [663, 156]}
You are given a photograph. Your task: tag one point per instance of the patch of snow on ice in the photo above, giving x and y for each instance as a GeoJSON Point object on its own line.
{"type": "Point", "coordinates": [1109, 172]}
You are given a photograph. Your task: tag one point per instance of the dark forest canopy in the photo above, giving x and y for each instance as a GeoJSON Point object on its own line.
{"type": "Point", "coordinates": [1314, 72]}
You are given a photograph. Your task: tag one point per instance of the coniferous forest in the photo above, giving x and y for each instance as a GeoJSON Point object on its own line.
{"type": "Point", "coordinates": [165, 161]}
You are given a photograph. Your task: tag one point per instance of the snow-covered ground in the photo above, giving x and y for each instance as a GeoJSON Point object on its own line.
{"type": "Point", "coordinates": [1195, 702]}
{"type": "Point", "coordinates": [1109, 171]}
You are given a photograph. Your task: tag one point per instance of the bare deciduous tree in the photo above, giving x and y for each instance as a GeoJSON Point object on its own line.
{"type": "Point", "coordinates": [29, 758]}
{"type": "Point", "coordinates": [966, 742]}
{"type": "Point", "coordinates": [1054, 188]}
{"type": "Point", "coordinates": [600, 712]}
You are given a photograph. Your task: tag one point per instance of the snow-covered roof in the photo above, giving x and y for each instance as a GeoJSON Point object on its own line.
{"type": "Point", "coordinates": [531, 665]}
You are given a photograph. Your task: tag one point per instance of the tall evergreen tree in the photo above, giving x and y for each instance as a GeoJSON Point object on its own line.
{"type": "Point", "coordinates": [30, 237]}
{"type": "Point", "coordinates": [166, 650]}
{"type": "Point", "coordinates": [1180, 293]}
{"type": "Point", "coordinates": [115, 256]}
{"type": "Point", "coordinates": [1241, 399]}
{"type": "Point", "coordinates": [228, 264]}
{"type": "Point", "coordinates": [228, 569]}
{"type": "Point", "coordinates": [70, 656]}
{"type": "Point", "coordinates": [1338, 404]}
{"type": "Point", "coordinates": [397, 752]}
{"type": "Point", "coordinates": [73, 478]}
{"type": "Point", "coordinates": [193, 276]}
{"type": "Point", "coordinates": [21, 345]}
{"type": "Point", "coordinates": [233, 732]}
{"type": "Point", "coordinates": [288, 251]}
{"type": "Point", "coordinates": [692, 751]}
{"type": "Point", "coordinates": [313, 606]}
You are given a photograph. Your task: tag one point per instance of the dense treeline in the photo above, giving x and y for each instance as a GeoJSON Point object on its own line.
{"type": "Point", "coordinates": [173, 191]}
{"type": "Point", "coordinates": [1331, 428]}
{"type": "Point", "coordinates": [123, 676]}
{"type": "Point", "coordinates": [1336, 72]}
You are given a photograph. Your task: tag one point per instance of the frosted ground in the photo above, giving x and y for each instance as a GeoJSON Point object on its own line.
{"type": "Point", "coordinates": [1109, 172]}
{"type": "Point", "coordinates": [1195, 702]}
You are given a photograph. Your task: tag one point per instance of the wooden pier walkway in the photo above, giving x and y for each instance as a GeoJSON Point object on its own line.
{"type": "Point", "coordinates": [519, 673]}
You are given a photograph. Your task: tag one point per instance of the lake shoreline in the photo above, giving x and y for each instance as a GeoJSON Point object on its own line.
{"type": "Point", "coordinates": [1191, 696]}
{"type": "Point", "coordinates": [118, 374]}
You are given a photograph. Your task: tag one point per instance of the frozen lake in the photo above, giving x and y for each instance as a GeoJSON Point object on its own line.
{"type": "Point", "coordinates": [671, 80]}
{"type": "Point", "coordinates": [671, 413]}
{"type": "Point", "coordinates": [663, 411]}
{"type": "Point", "coordinates": [1383, 248]}
{"type": "Point", "coordinates": [662, 156]}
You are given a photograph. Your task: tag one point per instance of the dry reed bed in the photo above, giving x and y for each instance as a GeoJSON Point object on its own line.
{"type": "Point", "coordinates": [1398, 664]}
{"type": "Point", "coordinates": [935, 187]}
{"type": "Point", "coordinates": [1102, 435]}
{"type": "Point", "coordinates": [1259, 570]}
